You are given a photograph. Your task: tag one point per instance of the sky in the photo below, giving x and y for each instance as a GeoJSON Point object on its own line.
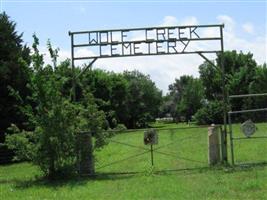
{"type": "Point", "coordinates": [245, 28]}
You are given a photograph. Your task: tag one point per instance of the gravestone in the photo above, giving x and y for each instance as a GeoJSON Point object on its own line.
{"type": "Point", "coordinates": [248, 128]}
{"type": "Point", "coordinates": [150, 137]}
{"type": "Point", "coordinates": [213, 145]}
{"type": "Point", "coordinates": [85, 154]}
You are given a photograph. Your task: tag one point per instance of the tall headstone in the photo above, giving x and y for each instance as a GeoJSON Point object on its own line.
{"type": "Point", "coordinates": [214, 145]}
{"type": "Point", "coordinates": [85, 154]}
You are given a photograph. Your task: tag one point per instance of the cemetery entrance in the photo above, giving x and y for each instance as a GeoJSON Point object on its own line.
{"type": "Point", "coordinates": [155, 41]}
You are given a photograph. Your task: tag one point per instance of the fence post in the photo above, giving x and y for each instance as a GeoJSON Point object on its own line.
{"type": "Point", "coordinates": [86, 165]}
{"type": "Point", "coordinates": [213, 145]}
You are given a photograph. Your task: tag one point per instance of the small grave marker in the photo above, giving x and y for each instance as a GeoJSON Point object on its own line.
{"type": "Point", "coordinates": [150, 137]}
{"type": "Point", "coordinates": [248, 128]}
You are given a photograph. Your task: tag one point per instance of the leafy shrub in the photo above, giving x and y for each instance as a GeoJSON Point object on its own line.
{"type": "Point", "coordinates": [19, 141]}
{"type": "Point", "coordinates": [210, 113]}
{"type": "Point", "coordinates": [56, 120]}
{"type": "Point", "coordinates": [121, 127]}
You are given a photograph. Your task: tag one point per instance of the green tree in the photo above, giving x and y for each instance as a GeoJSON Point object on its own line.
{"type": "Point", "coordinates": [130, 98]}
{"type": "Point", "coordinates": [143, 100]}
{"type": "Point", "coordinates": [14, 75]}
{"type": "Point", "coordinates": [186, 95]}
{"type": "Point", "coordinates": [110, 92]}
{"type": "Point", "coordinates": [258, 85]}
{"type": "Point", "coordinates": [191, 98]}
{"type": "Point", "coordinates": [52, 144]}
{"type": "Point", "coordinates": [240, 72]}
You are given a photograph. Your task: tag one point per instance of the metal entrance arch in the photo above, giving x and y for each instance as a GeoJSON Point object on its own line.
{"type": "Point", "coordinates": [150, 41]}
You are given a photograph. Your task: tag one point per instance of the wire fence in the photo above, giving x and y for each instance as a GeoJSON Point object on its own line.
{"type": "Point", "coordinates": [177, 148]}
{"type": "Point", "coordinates": [248, 129]}
{"type": "Point", "coordinates": [248, 147]}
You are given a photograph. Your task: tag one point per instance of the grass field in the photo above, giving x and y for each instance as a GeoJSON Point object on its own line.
{"type": "Point", "coordinates": [180, 171]}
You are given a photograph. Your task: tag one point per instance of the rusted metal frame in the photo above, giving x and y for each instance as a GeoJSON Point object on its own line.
{"type": "Point", "coordinates": [177, 156]}
{"type": "Point", "coordinates": [221, 70]}
{"type": "Point", "coordinates": [74, 77]}
{"type": "Point", "coordinates": [124, 159]}
{"type": "Point", "coordinates": [231, 138]}
{"type": "Point", "coordinates": [242, 111]}
{"type": "Point", "coordinates": [209, 61]}
{"type": "Point", "coordinates": [154, 54]}
{"type": "Point", "coordinates": [225, 99]}
{"type": "Point", "coordinates": [246, 111]}
{"type": "Point", "coordinates": [73, 93]}
{"type": "Point", "coordinates": [87, 67]}
{"type": "Point", "coordinates": [247, 95]}
{"type": "Point", "coordinates": [149, 28]}
{"type": "Point", "coordinates": [130, 145]}
{"type": "Point", "coordinates": [145, 41]}
{"type": "Point", "coordinates": [244, 138]}
{"type": "Point", "coordinates": [221, 26]}
{"type": "Point", "coordinates": [231, 131]}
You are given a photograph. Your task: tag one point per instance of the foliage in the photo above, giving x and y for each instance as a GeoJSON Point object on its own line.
{"type": "Point", "coordinates": [191, 98]}
{"type": "Point", "coordinates": [185, 98]}
{"type": "Point", "coordinates": [239, 70]}
{"type": "Point", "coordinates": [109, 90]}
{"type": "Point", "coordinates": [120, 127]}
{"type": "Point", "coordinates": [130, 98]}
{"type": "Point", "coordinates": [242, 76]}
{"type": "Point", "coordinates": [21, 142]}
{"type": "Point", "coordinates": [15, 75]}
{"type": "Point", "coordinates": [56, 120]}
{"type": "Point", "coordinates": [211, 113]}
{"type": "Point", "coordinates": [143, 100]}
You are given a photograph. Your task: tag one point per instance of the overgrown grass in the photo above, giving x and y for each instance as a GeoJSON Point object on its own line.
{"type": "Point", "coordinates": [180, 171]}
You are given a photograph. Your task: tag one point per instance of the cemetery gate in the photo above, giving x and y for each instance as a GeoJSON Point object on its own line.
{"type": "Point", "coordinates": [151, 41]}
{"type": "Point", "coordinates": [248, 139]}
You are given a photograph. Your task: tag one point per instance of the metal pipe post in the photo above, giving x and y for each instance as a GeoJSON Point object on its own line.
{"type": "Point", "coordinates": [152, 158]}
{"type": "Point", "coordinates": [73, 69]}
{"type": "Point", "coordinates": [231, 138]}
{"type": "Point", "coordinates": [225, 100]}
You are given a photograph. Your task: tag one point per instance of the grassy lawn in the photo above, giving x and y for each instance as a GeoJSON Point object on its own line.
{"type": "Point", "coordinates": [180, 171]}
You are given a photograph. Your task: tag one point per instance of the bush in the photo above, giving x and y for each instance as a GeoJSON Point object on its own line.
{"type": "Point", "coordinates": [212, 113]}
{"type": "Point", "coordinates": [19, 141]}
{"type": "Point", "coordinates": [56, 120]}
{"type": "Point", "coordinates": [121, 127]}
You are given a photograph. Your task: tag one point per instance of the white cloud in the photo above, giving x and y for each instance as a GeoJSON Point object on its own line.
{"type": "Point", "coordinates": [173, 21]}
{"type": "Point", "coordinates": [169, 21]}
{"type": "Point", "coordinates": [227, 20]}
{"type": "Point", "coordinates": [164, 69]}
{"type": "Point", "coordinates": [189, 21]}
{"type": "Point", "coordinates": [233, 41]}
{"type": "Point", "coordinates": [248, 27]}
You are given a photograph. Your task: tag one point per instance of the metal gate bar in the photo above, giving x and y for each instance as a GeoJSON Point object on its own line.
{"type": "Point", "coordinates": [238, 112]}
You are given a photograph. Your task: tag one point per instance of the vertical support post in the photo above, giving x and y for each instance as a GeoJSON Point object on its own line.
{"type": "Point", "coordinates": [85, 154]}
{"type": "Point", "coordinates": [231, 139]}
{"type": "Point", "coordinates": [151, 152]}
{"type": "Point", "coordinates": [214, 145]}
{"type": "Point", "coordinates": [224, 133]}
{"type": "Point", "coordinates": [73, 92]}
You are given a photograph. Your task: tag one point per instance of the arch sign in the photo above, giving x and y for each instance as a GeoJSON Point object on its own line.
{"type": "Point", "coordinates": [150, 41]}
{"type": "Point", "coordinates": [147, 41]}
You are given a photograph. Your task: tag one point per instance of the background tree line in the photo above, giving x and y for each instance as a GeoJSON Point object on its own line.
{"type": "Point", "coordinates": [200, 99]}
